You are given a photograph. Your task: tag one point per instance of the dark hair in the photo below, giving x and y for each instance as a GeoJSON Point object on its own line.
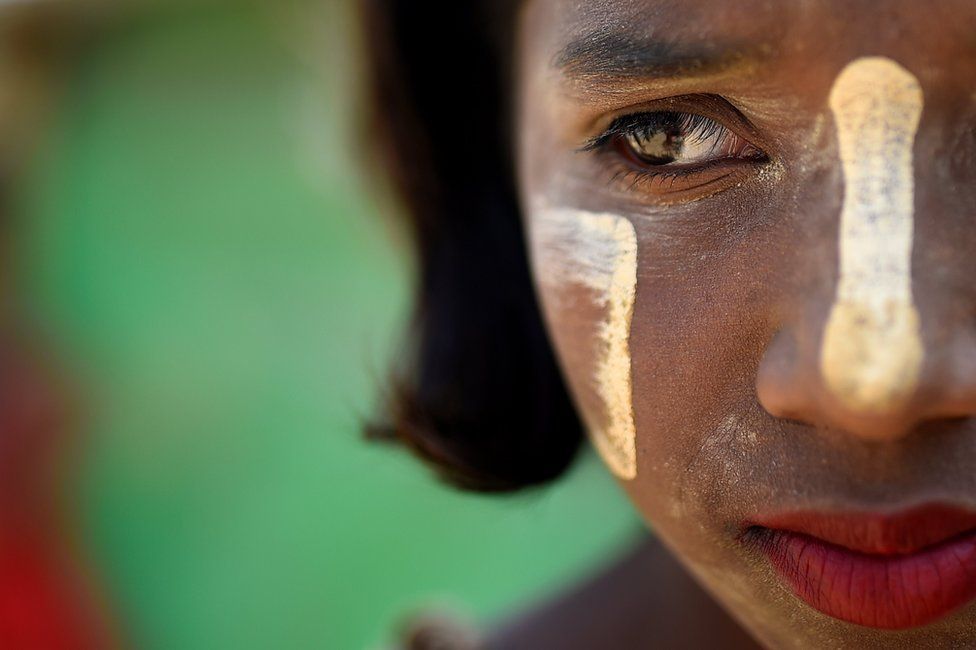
{"type": "Point", "coordinates": [477, 394]}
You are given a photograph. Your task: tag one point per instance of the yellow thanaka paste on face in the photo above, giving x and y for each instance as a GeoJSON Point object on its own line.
{"type": "Point", "coordinates": [599, 252]}
{"type": "Point", "coordinates": [872, 352]}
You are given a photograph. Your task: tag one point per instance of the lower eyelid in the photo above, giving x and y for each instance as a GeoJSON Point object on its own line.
{"type": "Point", "coordinates": [667, 182]}
{"type": "Point", "coordinates": [679, 184]}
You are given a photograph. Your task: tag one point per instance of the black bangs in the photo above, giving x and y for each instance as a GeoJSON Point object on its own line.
{"type": "Point", "coordinates": [476, 392]}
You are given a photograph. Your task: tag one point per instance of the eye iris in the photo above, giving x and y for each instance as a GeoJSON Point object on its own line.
{"type": "Point", "coordinates": [657, 146]}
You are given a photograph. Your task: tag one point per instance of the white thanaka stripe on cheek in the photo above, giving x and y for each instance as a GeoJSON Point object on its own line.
{"type": "Point", "coordinates": [599, 252]}
{"type": "Point", "coordinates": [872, 353]}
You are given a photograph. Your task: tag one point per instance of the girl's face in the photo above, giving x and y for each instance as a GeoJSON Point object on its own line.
{"type": "Point", "coordinates": [751, 228]}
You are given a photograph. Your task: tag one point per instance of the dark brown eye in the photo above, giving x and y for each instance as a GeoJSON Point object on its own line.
{"type": "Point", "coordinates": [679, 139]}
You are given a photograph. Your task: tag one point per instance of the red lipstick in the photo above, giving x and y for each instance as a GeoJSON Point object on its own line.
{"type": "Point", "coordinates": [889, 571]}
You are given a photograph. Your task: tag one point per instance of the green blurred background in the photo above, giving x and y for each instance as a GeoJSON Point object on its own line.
{"type": "Point", "coordinates": [201, 248]}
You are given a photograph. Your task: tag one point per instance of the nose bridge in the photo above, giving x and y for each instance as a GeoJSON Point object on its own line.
{"type": "Point", "coordinates": [852, 355]}
{"type": "Point", "coordinates": [871, 353]}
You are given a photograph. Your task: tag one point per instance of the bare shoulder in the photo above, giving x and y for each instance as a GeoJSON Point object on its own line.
{"type": "Point", "coordinates": [644, 599]}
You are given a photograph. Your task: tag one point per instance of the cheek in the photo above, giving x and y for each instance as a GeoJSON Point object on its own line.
{"type": "Point", "coordinates": [659, 355]}
{"type": "Point", "coordinates": [586, 266]}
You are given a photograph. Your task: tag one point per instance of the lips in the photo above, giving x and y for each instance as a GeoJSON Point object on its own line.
{"type": "Point", "coordinates": [889, 571]}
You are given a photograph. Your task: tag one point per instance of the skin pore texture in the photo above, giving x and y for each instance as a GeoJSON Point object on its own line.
{"type": "Point", "coordinates": [802, 334]}
{"type": "Point", "coordinates": [872, 349]}
{"type": "Point", "coordinates": [598, 252]}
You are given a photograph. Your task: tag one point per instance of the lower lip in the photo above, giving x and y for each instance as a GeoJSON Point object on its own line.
{"type": "Point", "coordinates": [881, 591]}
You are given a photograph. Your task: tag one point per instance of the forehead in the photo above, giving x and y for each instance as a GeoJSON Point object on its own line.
{"type": "Point", "coordinates": [571, 28]}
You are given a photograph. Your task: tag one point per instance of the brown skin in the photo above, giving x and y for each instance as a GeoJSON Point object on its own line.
{"type": "Point", "coordinates": [737, 275]}
{"type": "Point", "coordinates": [644, 600]}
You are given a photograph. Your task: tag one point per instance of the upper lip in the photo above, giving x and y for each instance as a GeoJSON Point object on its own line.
{"type": "Point", "coordinates": [888, 533]}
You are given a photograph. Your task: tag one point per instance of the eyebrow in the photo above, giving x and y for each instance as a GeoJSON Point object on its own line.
{"type": "Point", "coordinates": [625, 56]}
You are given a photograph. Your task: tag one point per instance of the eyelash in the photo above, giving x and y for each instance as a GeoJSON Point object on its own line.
{"type": "Point", "coordinates": [647, 122]}
{"type": "Point", "coordinates": [696, 129]}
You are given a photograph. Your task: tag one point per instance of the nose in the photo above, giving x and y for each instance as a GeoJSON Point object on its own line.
{"type": "Point", "coordinates": [879, 401]}
{"type": "Point", "coordinates": [887, 347]}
